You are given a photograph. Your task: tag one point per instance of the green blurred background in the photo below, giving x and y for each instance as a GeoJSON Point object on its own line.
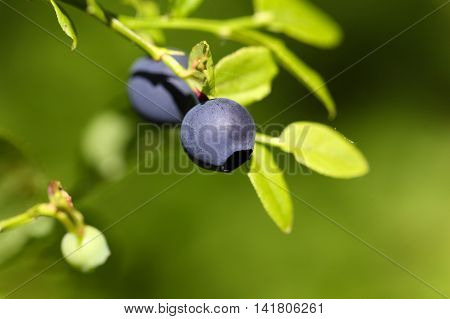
{"type": "Point", "coordinates": [209, 237]}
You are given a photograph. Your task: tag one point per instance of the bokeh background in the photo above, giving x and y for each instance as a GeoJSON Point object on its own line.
{"type": "Point", "coordinates": [209, 237]}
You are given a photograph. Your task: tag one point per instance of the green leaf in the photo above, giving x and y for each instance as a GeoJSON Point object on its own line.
{"type": "Point", "coordinates": [104, 144]}
{"type": "Point", "coordinates": [65, 23]}
{"type": "Point", "coordinates": [183, 8]}
{"type": "Point", "coordinates": [324, 150]}
{"type": "Point", "coordinates": [246, 75]}
{"type": "Point", "coordinates": [269, 183]}
{"type": "Point", "coordinates": [93, 8]}
{"type": "Point", "coordinates": [88, 253]}
{"type": "Point", "coordinates": [309, 77]}
{"type": "Point", "coordinates": [302, 21]}
{"type": "Point", "coordinates": [202, 66]}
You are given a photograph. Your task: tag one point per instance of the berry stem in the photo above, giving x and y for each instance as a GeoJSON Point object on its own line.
{"type": "Point", "coordinates": [257, 20]}
{"type": "Point", "coordinates": [266, 139]}
{"type": "Point", "coordinates": [74, 225]}
{"type": "Point", "coordinates": [47, 210]}
{"type": "Point", "coordinates": [222, 28]}
{"type": "Point", "coordinates": [66, 221]}
{"type": "Point", "coordinates": [237, 29]}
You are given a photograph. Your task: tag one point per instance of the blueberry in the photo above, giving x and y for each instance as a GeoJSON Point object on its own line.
{"type": "Point", "coordinates": [218, 135]}
{"type": "Point", "coordinates": [157, 94]}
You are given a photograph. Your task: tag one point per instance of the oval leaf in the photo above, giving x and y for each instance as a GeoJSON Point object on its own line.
{"type": "Point", "coordinates": [324, 150]}
{"type": "Point", "coordinates": [302, 21]}
{"type": "Point", "coordinates": [310, 78]}
{"type": "Point", "coordinates": [269, 183]}
{"type": "Point", "coordinates": [246, 75]}
{"type": "Point", "coordinates": [66, 24]}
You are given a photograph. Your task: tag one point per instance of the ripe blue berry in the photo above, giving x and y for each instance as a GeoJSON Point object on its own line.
{"type": "Point", "coordinates": [218, 135]}
{"type": "Point", "coordinates": [157, 94]}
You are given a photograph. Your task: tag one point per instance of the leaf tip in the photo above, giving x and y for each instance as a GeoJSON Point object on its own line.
{"type": "Point", "coordinates": [366, 167]}
{"type": "Point", "coordinates": [331, 108]}
{"type": "Point", "coordinates": [287, 230]}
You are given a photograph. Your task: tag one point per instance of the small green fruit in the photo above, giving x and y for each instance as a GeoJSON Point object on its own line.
{"type": "Point", "coordinates": [86, 253]}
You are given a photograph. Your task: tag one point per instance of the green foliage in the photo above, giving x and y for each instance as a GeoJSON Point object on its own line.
{"type": "Point", "coordinates": [302, 21]}
{"type": "Point", "coordinates": [323, 149]}
{"type": "Point", "coordinates": [85, 253]}
{"type": "Point", "coordinates": [299, 19]}
{"type": "Point", "coordinates": [183, 8]}
{"type": "Point", "coordinates": [246, 75]}
{"type": "Point", "coordinates": [202, 67]}
{"type": "Point", "coordinates": [314, 145]}
{"type": "Point", "coordinates": [65, 23]}
{"type": "Point", "coordinates": [309, 77]}
{"type": "Point", "coordinates": [94, 9]}
{"type": "Point", "coordinates": [104, 144]}
{"type": "Point", "coordinates": [268, 181]}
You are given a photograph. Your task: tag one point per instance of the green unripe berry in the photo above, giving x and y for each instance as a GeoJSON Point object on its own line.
{"type": "Point", "coordinates": [85, 253]}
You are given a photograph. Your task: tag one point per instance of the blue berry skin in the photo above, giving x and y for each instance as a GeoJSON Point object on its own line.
{"type": "Point", "coordinates": [218, 135]}
{"type": "Point", "coordinates": [157, 94]}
